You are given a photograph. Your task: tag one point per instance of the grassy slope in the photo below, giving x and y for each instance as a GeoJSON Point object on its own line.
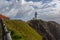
{"type": "Point", "coordinates": [21, 30]}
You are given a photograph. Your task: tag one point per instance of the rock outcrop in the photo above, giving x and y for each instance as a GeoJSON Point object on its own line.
{"type": "Point", "coordinates": [49, 30]}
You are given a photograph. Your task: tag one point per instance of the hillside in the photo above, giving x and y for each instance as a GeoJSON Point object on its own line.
{"type": "Point", "coordinates": [20, 30]}
{"type": "Point", "coordinates": [49, 30]}
{"type": "Point", "coordinates": [3, 17]}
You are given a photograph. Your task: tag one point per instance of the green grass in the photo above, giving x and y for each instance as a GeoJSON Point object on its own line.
{"type": "Point", "coordinates": [20, 30]}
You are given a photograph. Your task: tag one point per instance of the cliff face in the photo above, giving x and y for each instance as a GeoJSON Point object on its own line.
{"type": "Point", "coordinates": [49, 30]}
{"type": "Point", "coordinates": [54, 29]}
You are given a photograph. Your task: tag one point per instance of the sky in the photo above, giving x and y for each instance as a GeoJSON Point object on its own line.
{"type": "Point", "coordinates": [48, 10]}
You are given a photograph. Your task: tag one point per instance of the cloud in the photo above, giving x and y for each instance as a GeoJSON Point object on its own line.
{"type": "Point", "coordinates": [25, 10]}
{"type": "Point", "coordinates": [50, 12]}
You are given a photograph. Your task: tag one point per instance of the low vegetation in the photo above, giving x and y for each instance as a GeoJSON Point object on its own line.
{"type": "Point", "coordinates": [20, 30]}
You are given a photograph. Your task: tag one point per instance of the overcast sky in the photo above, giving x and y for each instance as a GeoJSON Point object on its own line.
{"type": "Point", "coordinates": [24, 9]}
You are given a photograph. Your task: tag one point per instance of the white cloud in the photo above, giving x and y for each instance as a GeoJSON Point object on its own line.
{"type": "Point", "coordinates": [12, 12]}
{"type": "Point", "coordinates": [46, 11]}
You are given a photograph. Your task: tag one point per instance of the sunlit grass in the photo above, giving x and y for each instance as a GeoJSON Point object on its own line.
{"type": "Point", "coordinates": [20, 30]}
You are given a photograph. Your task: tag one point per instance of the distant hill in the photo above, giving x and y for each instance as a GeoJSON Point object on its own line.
{"type": "Point", "coordinates": [3, 17]}
{"type": "Point", "coordinates": [20, 30]}
{"type": "Point", "coordinates": [49, 30]}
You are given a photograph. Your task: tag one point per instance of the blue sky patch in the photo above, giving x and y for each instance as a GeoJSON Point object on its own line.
{"type": "Point", "coordinates": [8, 0]}
{"type": "Point", "coordinates": [43, 1]}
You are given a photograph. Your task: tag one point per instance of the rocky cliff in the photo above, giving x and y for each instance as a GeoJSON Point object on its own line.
{"type": "Point", "coordinates": [49, 30]}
